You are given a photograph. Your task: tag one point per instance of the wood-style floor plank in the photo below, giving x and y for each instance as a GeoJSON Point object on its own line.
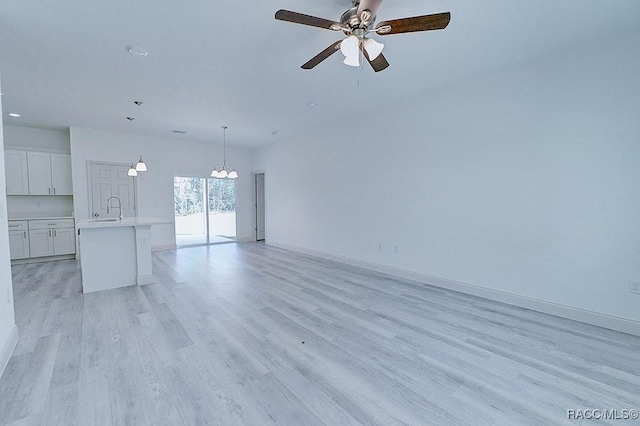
{"type": "Point", "coordinates": [247, 334]}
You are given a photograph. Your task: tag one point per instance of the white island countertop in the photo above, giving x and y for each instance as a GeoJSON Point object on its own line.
{"type": "Point", "coordinates": [116, 253]}
{"type": "Point", "coordinates": [127, 221]}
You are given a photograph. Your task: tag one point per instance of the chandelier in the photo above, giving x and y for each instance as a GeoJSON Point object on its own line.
{"type": "Point", "coordinates": [222, 172]}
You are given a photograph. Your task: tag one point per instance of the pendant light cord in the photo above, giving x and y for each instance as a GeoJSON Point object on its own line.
{"type": "Point", "coordinates": [139, 104]}
{"type": "Point", "coordinates": [224, 142]}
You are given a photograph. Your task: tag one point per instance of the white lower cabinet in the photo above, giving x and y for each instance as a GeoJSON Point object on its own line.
{"type": "Point", "coordinates": [52, 237]}
{"type": "Point", "coordinates": [19, 244]}
{"type": "Point", "coordinates": [64, 241]}
{"type": "Point", "coordinates": [41, 242]}
{"type": "Point", "coordinates": [19, 239]}
{"type": "Point", "coordinates": [41, 238]}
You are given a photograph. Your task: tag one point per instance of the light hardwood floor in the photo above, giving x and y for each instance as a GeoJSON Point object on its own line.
{"type": "Point", "coordinates": [250, 334]}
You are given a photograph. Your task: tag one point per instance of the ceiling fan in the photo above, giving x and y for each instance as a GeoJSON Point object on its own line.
{"type": "Point", "coordinates": [357, 24]}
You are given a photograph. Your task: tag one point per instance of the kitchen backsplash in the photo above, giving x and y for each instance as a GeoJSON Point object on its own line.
{"type": "Point", "coordinates": [20, 206]}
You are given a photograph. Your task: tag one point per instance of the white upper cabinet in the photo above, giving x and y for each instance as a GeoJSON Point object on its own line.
{"type": "Point", "coordinates": [39, 173]}
{"type": "Point", "coordinates": [49, 173]}
{"type": "Point", "coordinates": [61, 174]}
{"type": "Point", "coordinates": [17, 178]}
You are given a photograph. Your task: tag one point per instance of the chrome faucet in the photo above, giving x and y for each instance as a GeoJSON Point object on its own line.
{"type": "Point", "coordinates": [119, 205]}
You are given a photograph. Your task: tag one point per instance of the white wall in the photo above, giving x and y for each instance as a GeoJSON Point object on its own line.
{"type": "Point", "coordinates": [525, 182]}
{"type": "Point", "coordinates": [8, 329]}
{"type": "Point", "coordinates": [20, 206]}
{"type": "Point", "coordinates": [31, 137]}
{"type": "Point", "coordinates": [165, 159]}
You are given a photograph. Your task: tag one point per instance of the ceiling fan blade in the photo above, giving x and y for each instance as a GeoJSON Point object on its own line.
{"type": "Point", "coordinates": [438, 21]}
{"type": "Point", "coordinates": [299, 18]}
{"type": "Point", "coordinates": [322, 55]}
{"type": "Point", "coordinates": [372, 5]}
{"type": "Point", "coordinates": [378, 64]}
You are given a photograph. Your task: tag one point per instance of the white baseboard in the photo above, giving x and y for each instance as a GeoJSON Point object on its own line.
{"type": "Point", "coordinates": [589, 317]}
{"type": "Point", "coordinates": [6, 350]}
{"type": "Point", "coordinates": [145, 279]}
{"type": "Point", "coordinates": [43, 259]}
{"type": "Point", "coordinates": [164, 247]}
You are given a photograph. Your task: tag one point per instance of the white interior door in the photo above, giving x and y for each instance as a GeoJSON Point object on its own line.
{"type": "Point", "coordinates": [260, 222]}
{"type": "Point", "coordinates": [111, 180]}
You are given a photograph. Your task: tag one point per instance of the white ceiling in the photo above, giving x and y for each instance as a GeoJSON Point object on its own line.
{"type": "Point", "coordinates": [64, 63]}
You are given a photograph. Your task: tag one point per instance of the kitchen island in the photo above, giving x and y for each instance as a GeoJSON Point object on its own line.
{"type": "Point", "coordinates": [115, 253]}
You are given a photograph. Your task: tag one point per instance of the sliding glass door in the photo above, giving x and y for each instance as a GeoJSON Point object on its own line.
{"type": "Point", "coordinates": [205, 210]}
{"type": "Point", "coordinates": [222, 210]}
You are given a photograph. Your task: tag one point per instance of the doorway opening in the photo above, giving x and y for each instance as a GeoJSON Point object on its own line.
{"type": "Point", "coordinates": [205, 210]}
{"type": "Point", "coordinates": [260, 207]}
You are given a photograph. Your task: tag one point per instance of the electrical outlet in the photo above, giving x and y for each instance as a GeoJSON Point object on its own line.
{"type": "Point", "coordinates": [379, 246]}
{"type": "Point", "coordinates": [634, 287]}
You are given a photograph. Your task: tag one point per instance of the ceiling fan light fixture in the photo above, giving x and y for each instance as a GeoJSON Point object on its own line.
{"type": "Point", "coordinates": [349, 48]}
{"type": "Point", "coordinates": [352, 62]}
{"type": "Point", "coordinates": [373, 48]}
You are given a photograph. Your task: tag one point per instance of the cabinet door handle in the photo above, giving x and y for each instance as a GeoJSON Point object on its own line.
{"type": "Point", "coordinates": [54, 191]}
{"type": "Point", "coordinates": [49, 232]}
{"type": "Point", "coordinates": [25, 234]}
{"type": "Point", "coordinates": [49, 191]}
{"type": "Point", "coordinates": [55, 233]}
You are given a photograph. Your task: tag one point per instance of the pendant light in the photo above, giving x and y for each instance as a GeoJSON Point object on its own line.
{"type": "Point", "coordinates": [140, 165]}
{"type": "Point", "coordinates": [222, 172]}
{"type": "Point", "coordinates": [132, 171]}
